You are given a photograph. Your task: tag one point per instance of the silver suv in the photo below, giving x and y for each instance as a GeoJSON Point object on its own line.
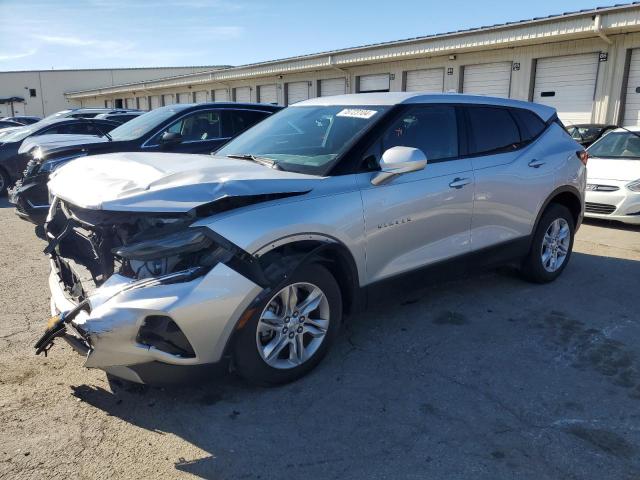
{"type": "Point", "coordinates": [255, 254]}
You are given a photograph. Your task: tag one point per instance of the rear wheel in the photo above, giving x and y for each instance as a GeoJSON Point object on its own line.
{"type": "Point", "coordinates": [551, 245]}
{"type": "Point", "coordinates": [292, 330]}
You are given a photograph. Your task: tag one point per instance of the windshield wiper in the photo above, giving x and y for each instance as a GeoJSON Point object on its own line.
{"type": "Point", "coordinates": [104, 134]}
{"type": "Point", "coordinates": [267, 162]}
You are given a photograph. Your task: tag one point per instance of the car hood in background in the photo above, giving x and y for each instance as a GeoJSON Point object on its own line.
{"type": "Point", "coordinates": [167, 182]}
{"type": "Point", "coordinates": [613, 169]}
{"type": "Point", "coordinates": [58, 140]}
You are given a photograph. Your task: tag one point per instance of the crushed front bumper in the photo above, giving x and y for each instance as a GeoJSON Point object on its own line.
{"type": "Point", "coordinates": [206, 309]}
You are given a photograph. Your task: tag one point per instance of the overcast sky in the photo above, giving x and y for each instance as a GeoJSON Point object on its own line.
{"type": "Point", "coordinates": [40, 34]}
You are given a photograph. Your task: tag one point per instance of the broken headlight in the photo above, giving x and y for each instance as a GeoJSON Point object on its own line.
{"type": "Point", "coordinates": [171, 253]}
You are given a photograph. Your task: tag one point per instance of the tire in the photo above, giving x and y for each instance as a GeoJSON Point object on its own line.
{"type": "Point", "coordinates": [4, 182]}
{"type": "Point", "coordinates": [539, 266]}
{"type": "Point", "coordinates": [275, 328]}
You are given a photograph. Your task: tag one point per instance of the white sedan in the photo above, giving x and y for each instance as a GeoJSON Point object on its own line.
{"type": "Point", "coordinates": [613, 177]}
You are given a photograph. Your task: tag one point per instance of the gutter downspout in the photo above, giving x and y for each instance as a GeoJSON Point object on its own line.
{"type": "Point", "coordinates": [346, 73]}
{"type": "Point", "coordinates": [599, 29]}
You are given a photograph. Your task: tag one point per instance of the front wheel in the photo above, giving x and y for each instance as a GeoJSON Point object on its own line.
{"type": "Point", "coordinates": [551, 245]}
{"type": "Point", "coordinates": [292, 330]}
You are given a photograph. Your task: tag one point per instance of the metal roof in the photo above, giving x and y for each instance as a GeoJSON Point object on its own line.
{"type": "Point", "coordinates": [577, 24]}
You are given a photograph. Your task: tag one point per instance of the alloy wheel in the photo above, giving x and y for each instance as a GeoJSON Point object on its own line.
{"type": "Point", "coordinates": [555, 245]}
{"type": "Point", "coordinates": [293, 325]}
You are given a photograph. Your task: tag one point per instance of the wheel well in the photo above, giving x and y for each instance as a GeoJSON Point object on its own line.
{"type": "Point", "coordinates": [334, 256]}
{"type": "Point", "coordinates": [571, 201]}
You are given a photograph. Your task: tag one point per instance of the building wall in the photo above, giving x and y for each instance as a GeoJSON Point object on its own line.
{"type": "Point", "coordinates": [50, 86]}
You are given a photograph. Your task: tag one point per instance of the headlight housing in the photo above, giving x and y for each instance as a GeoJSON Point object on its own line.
{"type": "Point", "coordinates": [49, 166]}
{"type": "Point", "coordinates": [177, 251]}
{"type": "Point", "coordinates": [634, 186]}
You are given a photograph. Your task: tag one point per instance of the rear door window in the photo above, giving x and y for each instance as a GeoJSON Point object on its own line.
{"type": "Point", "coordinates": [491, 130]}
{"type": "Point", "coordinates": [241, 120]}
{"type": "Point", "coordinates": [531, 125]}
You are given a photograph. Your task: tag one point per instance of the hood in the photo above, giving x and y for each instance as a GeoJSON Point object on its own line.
{"type": "Point", "coordinates": [167, 182]}
{"type": "Point", "coordinates": [47, 142]}
{"type": "Point", "coordinates": [613, 169]}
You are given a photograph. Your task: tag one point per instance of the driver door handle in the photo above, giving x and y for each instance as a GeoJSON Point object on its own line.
{"type": "Point", "coordinates": [536, 163]}
{"type": "Point", "coordinates": [460, 182]}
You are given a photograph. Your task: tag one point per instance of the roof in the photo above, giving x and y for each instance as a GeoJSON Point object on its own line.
{"type": "Point", "coordinates": [398, 98]}
{"type": "Point", "coordinates": [568, 25]}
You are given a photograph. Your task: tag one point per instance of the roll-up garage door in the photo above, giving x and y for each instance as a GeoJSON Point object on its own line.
{"type": "Point", "coordinates": [108, 104]}
{"type": "Point", "coordinates": [374, 83]}
{"type": "Point", "coordinates": [185, 97]}
{"type": "Point", "coordinates": [168, 99]}
{"type": "Point", "coordinates": [297, 92]}
{"type": "Point", "coordinates": [333, 86]}
{"type": "Point", "coordinates": [142, 103]}
{"type": "Point", "coordinates": [431, 80]}
{"type": "Point", "coordinates": [242, 94]}
{"type": "Point", "coordinates": [632, 97]}
{"type": "Point", "coordinates": [221, 95]}
{"type": "Point", "coordinates": [155, 101]}
{"type": "Point", "coordinates": [201, 96]}
{"type": "Point", "coordinates": [568, 84]}
{"type": "Point", "coordinates": [492, 79]}
{"type": "Point", "coordinates": [267, 94]}
{"type": "Point", "coordinates": [130, 102]}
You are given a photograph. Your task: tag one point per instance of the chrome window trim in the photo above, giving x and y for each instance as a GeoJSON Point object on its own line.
{"type": "Point", "coordinates": [146, 144]}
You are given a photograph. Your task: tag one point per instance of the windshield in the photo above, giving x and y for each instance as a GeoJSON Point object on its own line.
{"type": "Point", "coordinates": [584, 134]}
{"type": "Point", "coordinates": [616, 145]}
{"type": "Point", "coordinates": [143, 124]}
{"type": "Point", "coordinates": [305, 139]}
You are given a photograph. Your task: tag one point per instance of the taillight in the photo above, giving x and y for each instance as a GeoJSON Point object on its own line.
{"type": "Point", "coordinates": [583, 156]}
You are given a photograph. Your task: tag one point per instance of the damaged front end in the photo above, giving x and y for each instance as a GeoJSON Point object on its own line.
{"type": "Point", "coordinates": [133, 288]}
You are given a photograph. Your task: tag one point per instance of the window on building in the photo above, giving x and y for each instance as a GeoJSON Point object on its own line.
{"type": "Point", "coordinates": [32, 92]}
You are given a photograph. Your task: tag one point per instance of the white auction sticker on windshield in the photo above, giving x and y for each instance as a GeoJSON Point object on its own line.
{"type": "Point", "coordinates": [356, 113]}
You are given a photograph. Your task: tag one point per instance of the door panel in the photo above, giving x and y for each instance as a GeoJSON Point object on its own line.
{"type": "Point", "coordinates": [417, 219]}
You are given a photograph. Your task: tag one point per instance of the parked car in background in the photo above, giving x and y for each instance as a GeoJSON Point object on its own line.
{"type": "Point", "coordinates": [200, 128]}
{"type": "Point", "coordinates": [120, 116]}
{"type": "Point", "coordinates": [587, 133]}
{"type": "Point", "coordinates": [613, 177]}
{"type": "Point", "coordinates": [161, 261]}
{"type": "Point", "coordinates": [88, 112]}
{"type": "Point", "coordinates": [9, 124]}
{"type": "Point", "coordinates": [13, 163]}
{"type": "Point", "coordinates": [23, 119]}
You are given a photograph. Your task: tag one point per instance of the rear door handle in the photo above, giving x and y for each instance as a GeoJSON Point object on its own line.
{"type": "Point", "coordinates": [460, 182]}
{"type": "Point", "coordinates": [536, 163]}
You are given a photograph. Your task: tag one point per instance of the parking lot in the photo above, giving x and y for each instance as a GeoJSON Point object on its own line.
{"type": "Point", "coordinates": [486, 377]}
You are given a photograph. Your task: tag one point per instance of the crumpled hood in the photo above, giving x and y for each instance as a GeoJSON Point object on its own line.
{"type": "Point", "coordinates": [167, 182]}
{"type": "Point", "coordinates": [613, 169]}
{"type": "Point", "coordinates": [46, 142]}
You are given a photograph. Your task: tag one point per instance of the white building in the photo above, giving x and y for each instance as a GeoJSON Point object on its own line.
{"type": "Point", "coordinates": [41, 92]}
{"type": "Point", "coordinates": [586, 64]}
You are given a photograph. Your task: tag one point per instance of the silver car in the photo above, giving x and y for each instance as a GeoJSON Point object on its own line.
{"type": "Point", "coordinates": [253, 257]}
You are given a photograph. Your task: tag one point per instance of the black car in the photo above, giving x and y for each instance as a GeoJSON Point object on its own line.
{"type": "Point", "coordinates": [13, 163]}
{"type": "Point", "coordinates": [23, 119]}
{"type": "Point", "coordinates": [184, 128]}
{"type": "Point", "coordinates": [9, 123]}
{"type": "Point", "coordinates": [587, 133]}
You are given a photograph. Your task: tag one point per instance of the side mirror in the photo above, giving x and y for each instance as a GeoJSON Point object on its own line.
{"type": "Point", "coordinates": [170, 138]}
{"type": "Point", "coordinates": [399, 160]}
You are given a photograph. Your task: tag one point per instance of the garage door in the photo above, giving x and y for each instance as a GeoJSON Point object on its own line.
{"type": "Point", "coordinates": [242, 94]}
{"type": "Point", "coordinates": [267, 94]}
{"type": "Point", "coordinates": [167, 99]}
{"type": "Point", "coordinates": [130, 103]}
{"type": "Point", "coordinates": [431, 80]}
{"type": "Point", "coordinates": [297, 92]}
{"type": "Point", "coordinates": [491, 79]}
{"type": "Point", "coordinates": [374, 83]}
{"type": "Point", "coordinates": [142, 103]}
{"type": "Point", "coordinates": [201, 96]}
{"type": "Point", "coordinates": [333, 86]}
{"type": "Point", "coordinates": [221, 95]}
{"type": "Point", "coordinates": [567, 84]}
{"type": "Point", "coordinates": [155, 101]}
{"type": "Point", "coordinates": [632, 96]}
{"type": "Point", "coordinates": [108, 104]}
{"type": "Point", "coordinates": [185, 97]}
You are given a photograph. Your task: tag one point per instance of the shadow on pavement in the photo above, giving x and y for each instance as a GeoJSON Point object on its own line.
{"type": "Point", "coordinates": [485, 377]}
